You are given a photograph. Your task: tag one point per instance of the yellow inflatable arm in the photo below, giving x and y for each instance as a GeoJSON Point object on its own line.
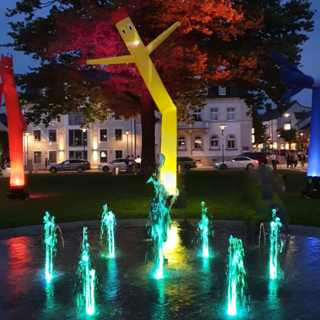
{"type": "Point", "coordinates": [163, 36]}
{"type": "Point", "coordinates": [115, 60]}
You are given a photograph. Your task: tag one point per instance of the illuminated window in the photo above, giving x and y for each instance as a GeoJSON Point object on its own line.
{"type": "Point", "coordinates": [214, 142]}
{"type": "Point", "coordinates": [37, 135]}
{"type": "Point", "coordinates": [230, 114]}
{"type": "Point", "coordinates": [214, 114]}
{"type": "Point", "coordinates": [231, 141]}
{"type": "Point", "coordinates": [103, 135]}
{"type": "Point", "coordinates": [197, 142]}
{"type": "Point", "coordinates": [181, 143]}
{"type": "Point", "coordinates": [103, 156]}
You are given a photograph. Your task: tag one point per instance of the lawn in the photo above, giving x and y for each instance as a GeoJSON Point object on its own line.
{"type": "Point", "coordinates": [229, 195]}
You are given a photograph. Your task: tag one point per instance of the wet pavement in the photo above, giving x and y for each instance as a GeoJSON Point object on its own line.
{"type": "Point", "coordinates": [192, 288]}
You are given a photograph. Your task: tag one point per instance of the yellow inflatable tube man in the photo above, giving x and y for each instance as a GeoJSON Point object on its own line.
{"type": "Point", "coordinates": [139, 54]}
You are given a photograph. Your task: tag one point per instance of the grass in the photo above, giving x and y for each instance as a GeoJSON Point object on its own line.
{"type": "Point", "coordinates": [229, 195]}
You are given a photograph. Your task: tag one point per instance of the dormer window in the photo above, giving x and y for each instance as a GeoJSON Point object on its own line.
{"type": "Point", "coordinates": [222, 91]}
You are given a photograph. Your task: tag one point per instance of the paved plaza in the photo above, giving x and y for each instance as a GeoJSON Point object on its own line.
{"type": "Point", "coordinates": [192, 288]}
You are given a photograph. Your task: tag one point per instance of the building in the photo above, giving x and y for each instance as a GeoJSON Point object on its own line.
{"type": "Point", "coordinates": [116, 138]}
{"type": "Point", "coordinates": [287, 118]}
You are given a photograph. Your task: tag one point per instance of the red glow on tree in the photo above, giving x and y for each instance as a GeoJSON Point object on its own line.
{"type": "Point", "coordinates": [16, 122]}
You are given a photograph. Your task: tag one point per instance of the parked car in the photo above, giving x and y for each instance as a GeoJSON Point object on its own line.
{"type": "Point", "coordinates": [186, 162]}
{"type": "Point", "coordinates": [237, 162]}
{"type": "Point", "coordinates": [105, 167]}
{"type": "Point", "coordinates": [70, 165]}
{"type": "Point", "coordinates": [260, 156]}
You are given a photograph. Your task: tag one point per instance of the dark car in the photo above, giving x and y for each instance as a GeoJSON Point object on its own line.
{"type": "Point", "coordinates": [70, 165]}
{"type": "Point", "coordinates": [186, 162]}
{"type": "Point", "coordinates": [260, 156]}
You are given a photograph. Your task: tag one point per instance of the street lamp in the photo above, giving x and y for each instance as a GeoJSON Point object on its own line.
{"type": "Point", "coordinates": [27, 134]}
{"type": "Point", "coordinates": [84, 130]}
{"type": "Point", "coordinates": [222, 127]}
{"type": "Point", "coordinates": [127, 132]}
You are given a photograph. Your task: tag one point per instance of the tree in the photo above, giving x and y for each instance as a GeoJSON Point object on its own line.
{"type": "Point", "coordinates": [4, 141]}
{"type": "Point", "coordinates": [289, 136]}
{"type": "Point", "coordinates": [218, 43]}
{"type": "Point", "coordinates": [259, 128]}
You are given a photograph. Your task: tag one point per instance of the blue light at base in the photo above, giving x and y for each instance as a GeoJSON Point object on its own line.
{"type": "Point", "coordinates": [314, 143]}
{"type": "Point", "coordinates": [108, 222]}
{"type": "Point", "coordinates": [275, 225]}
{"type": "Point", "coordinates": [236, 275]}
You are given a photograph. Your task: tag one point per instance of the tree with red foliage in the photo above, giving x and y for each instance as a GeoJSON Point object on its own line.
{"type": "Point", "coordinates": [211, 47]}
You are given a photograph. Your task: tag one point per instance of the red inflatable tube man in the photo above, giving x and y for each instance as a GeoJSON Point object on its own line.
{"type": "Point", "coordinates": [16, 123]}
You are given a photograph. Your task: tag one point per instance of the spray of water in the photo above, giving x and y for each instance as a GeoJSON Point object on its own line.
{"type": "Point", "coordinates": [87, 276]}
{"type": "Point", "coordinates": [159, 212]}
{"type": "Point", "coordinates": [108, 222]}
{"type": "Point", "coordinates": [204, 231]}
{"type": "Point", "coordinates": [50, 240]}
{"type": "Point", "coordinates": [236, 277]}
{"type": "Point", "coordinates": [275, 226]}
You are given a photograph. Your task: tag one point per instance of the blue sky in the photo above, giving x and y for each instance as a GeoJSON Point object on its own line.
{"type": "Point", "coordinates": [310, 54]}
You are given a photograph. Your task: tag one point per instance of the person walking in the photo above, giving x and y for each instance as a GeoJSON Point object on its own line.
{"type": "Point", "coordinates": [295, 159]}
{"type": "Point", "coordinates": [302, 159]}
{"type": "Point", "coordinates": [274, 160]}
{"type": "Point", "coordinates": [287, 156]}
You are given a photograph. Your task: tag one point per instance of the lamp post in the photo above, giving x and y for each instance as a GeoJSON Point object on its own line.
{"type": "Point", "coordinates": [27, 134]}
{"type": "Point", "coordinates": [222, 127]}
{"type": "Point", "coordinates": [84, 130]}
{"type": "Point", "coordinates": [127, 132]}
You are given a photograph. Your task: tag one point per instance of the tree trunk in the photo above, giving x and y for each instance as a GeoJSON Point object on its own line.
{"type": "Point", "coordinates": [148, 163]}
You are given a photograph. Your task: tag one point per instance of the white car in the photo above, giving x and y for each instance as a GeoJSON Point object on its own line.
{"type": "Point", "coordinates": [237, 162]}
{"type": "Point", "coordinates": [105, 167]}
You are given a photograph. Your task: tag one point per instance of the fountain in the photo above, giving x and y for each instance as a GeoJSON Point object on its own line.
{"type": "Point", "coordinates": [236, 277]}
{"type": "Point", "coordinates": [50, 240]}
{"type": "Point", "coordinates": [205, 231]}
{"type": "Point", "coordinates": [108, 222]}
{"type": "Point", "coordinates": [159, 212]}
{"type": "Point", "coordinates": [275, 225]}
{"type": "Point", "coordinates": [87, 276]}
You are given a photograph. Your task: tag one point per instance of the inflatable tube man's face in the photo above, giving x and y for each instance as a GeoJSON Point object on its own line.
{"type": "Point", "coordinates": [6, 68]}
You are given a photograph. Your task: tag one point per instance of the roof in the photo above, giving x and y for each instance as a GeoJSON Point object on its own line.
{"type": "Point", "coordinates": [302, 115]}
{"type": "Point", "coordinates": [276, 113]}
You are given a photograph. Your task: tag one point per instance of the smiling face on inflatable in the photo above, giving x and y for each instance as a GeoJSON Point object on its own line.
{"type": "Point", "coordinates": [128, 32]}
{"type": "Point", "coordinates": [6, 68]}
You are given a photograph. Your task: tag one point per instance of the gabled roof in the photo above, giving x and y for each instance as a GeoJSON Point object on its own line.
{"type": "Point", "coordinates": [302, 115]}
{"type": "Point", "coordinates": [276, 113]}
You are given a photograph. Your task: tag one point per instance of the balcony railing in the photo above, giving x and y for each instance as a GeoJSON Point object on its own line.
{"type": "Point", "coordinates": [195, 125]}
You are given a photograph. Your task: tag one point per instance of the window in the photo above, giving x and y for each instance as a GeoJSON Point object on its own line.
{"type": "Point", "coordinates": [78, 155]}
{"type": "Point", "coordinates": [117, 117]}
{"type": "Point", "coordinates": [231, 141]}
{"type": "Point", "coordinates": [103, 135]}
{"type": "Point", "coordinates": [181, 143]}
{"type": "Point", "coordinates": [214, 142]}
{"type": "Point", "coordinates": [197, 115]}
{"type": "Point", "coordinates": [230, 114]}
{"type": "Point", "coordinates": [222, 91]}
{"type": "Point", "coordinates": [118, 135]}
{"type": "Point", "coordinates": [37, 157]}
{"type": "Point", "coordinates": [103, 156]}
{"type": "Point", "coordinates": [52, 135]}
{"type": "Point", "coordinates": [118, 154]}
{"type": "Point", "coordinates": [75, 118]}
{"type": "Point", "coordinates": [77, 138]}
{"type": "Point", "coordinates": [197, 142]}
{"type": "Point", "coordinates": [214, 114]}
{"type": "Point", "coordinates": [52, 157]}
{"type": "Point", "coordinates": [37, 135]}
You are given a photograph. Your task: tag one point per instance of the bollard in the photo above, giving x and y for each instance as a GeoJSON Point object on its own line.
{"type": "Point", "coordinates": [115, 171]}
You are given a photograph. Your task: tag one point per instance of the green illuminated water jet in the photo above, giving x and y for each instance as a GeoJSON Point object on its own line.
{"type": "Point", "coordinates": [236, 277]}
{"type": "Point", "coordinates": [87, 275]}
{"type": "Point", "coordinates": [275, 226]}
{"type": "Point", "coordinates": [50, 239]}
{"type": "Point", "coordinates": [108, 222]}
{"type": "Point", "coordinates": [204, 229]}
{"type": "Point", "coordinates": [159, 212]}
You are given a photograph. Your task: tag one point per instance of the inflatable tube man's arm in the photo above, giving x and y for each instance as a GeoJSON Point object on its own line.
{"type": "Point", "coordinates": [115, 60]}
{"type": "Point", "coordinates": [163, 36]}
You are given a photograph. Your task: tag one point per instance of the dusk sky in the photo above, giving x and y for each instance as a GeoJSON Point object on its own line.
{"type": "Point", "coordinates": [310, 55]}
